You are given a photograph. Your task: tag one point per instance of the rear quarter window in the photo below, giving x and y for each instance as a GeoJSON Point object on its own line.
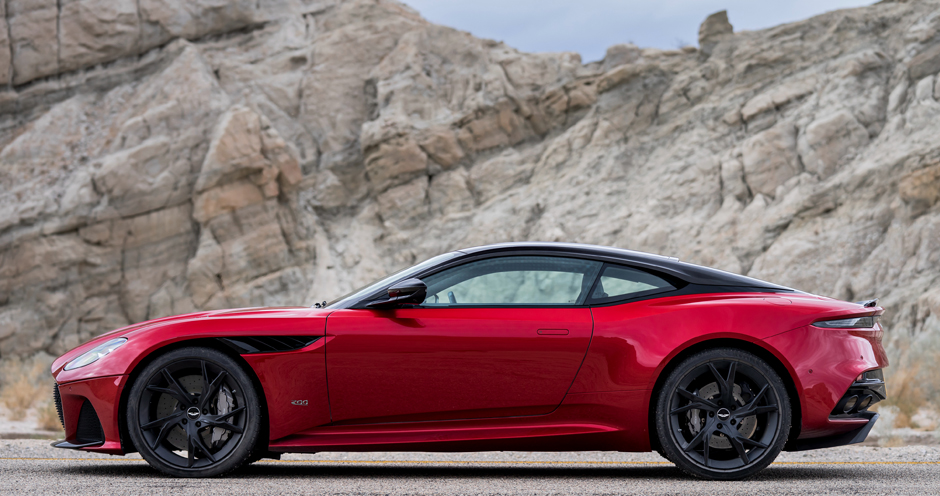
{"type": "Point", "coordinates": [619, 282]}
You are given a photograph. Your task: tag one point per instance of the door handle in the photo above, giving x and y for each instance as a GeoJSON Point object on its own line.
{"type": "Point", "coordinates": [553, 332]}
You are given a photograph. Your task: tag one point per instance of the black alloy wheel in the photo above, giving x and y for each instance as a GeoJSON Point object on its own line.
{"type": "Point", "coordinates": [723, 414]}
{"type": "Point", "coordinates": [193, 412]}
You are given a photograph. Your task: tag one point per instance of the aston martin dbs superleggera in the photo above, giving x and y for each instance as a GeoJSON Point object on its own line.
{"type": "Point", "coordinates": [519, 346]}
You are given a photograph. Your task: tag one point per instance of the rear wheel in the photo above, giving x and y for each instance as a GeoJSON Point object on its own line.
{"type": "Point", "coordinates": [193, 412]}
{"type": "Point", "coordinates": [723, 414]}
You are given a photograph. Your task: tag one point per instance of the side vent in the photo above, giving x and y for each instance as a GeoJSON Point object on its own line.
{"type": "Point", "coordinates": [246, 345]}
{"type": "Point", "coordinates": [89, 430]}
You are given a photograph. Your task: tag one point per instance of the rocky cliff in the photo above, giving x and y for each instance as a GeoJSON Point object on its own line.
{"type": "Point", "coordinates": [162, 156]}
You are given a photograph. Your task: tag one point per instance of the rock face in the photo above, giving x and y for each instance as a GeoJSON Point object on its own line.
{"type": "Point", "coordinates": [162, 156]}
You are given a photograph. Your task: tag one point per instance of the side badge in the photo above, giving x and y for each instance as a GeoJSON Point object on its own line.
{"type": "Point", "coordinates": [299, 402]}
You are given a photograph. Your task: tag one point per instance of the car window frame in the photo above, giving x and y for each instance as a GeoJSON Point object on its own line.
{"type": "Point", "coordinates": [588, 288]}
{"type": "Point", "coordinates": [676, 284]}
{"type": "Point", "coordinates": [382, 294]}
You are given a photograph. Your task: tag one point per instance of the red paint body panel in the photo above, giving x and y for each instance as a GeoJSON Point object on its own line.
{"type": "Point", "coordinates": [418, 364]}
{"type": "Point", "coordinates": [592, 421]}
{"type": "Point", "coordinates": [145, 338]}
{"type": "Point", "coordinates": [456, 379]}
{"type": "Point", "coordinates": [824, 363]}
{"type": "Point", "coordinates": [632, 341]}
{"type": "Point", "coordinates": [293, 376]}
{"type": "Point", "coordinates": [101, 392]}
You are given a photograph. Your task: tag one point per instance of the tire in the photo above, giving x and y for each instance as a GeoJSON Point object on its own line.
{"type": "Point", "coordinates": [169, 413]}
{"type": "Point", "coordinates": [720, 429]}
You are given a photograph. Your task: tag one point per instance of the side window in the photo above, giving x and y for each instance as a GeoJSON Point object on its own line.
{"type": "Point", "coordinates": [620, 281]}
{"type": "Point", "coordinates": [513, 280]}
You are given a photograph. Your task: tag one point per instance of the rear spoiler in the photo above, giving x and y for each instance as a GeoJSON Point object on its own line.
{"type": "Point", "coordinates": [868, 303]}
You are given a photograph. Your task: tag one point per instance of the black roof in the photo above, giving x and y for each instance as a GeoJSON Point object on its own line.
{"type": "Point", "coordinates": [692, 273]}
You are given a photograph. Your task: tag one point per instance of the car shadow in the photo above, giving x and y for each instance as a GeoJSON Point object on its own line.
{"type": "Point", "coordinates": [360, 471]}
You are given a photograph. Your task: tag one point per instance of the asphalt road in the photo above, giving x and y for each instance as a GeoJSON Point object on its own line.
{"type": "Point", "coordinates": [31, 466]}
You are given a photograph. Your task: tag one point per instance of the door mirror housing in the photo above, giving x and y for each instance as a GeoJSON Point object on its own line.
{"type": "Point", "coordinates": [407, 292]}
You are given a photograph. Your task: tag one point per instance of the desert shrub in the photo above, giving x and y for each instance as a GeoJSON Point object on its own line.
{"type": "Point", "coordinates": [22, 384]}
{"type": "Point", "coordinates": [904, 392]}
{"type": "Point", "coordinates": [18, 397]}
{"type": "Point", "coordinates": [47, 417]}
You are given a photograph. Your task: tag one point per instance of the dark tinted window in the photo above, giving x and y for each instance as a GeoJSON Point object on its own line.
{"type": "Point", "coordinates": [513, 280]}
{"type": "Point", "coordinates": [620, 281]}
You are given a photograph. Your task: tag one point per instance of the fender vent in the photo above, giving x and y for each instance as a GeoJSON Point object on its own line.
{"type": "Point", "coordinates": [268, 344]}
{"type": "Point", "coordinates": [58, 403]}
{"type": "Point", "coordinates": [89, 427]}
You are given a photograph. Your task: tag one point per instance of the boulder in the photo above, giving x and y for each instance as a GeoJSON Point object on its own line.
{"type": "Point", "coordinates": [713, 30]}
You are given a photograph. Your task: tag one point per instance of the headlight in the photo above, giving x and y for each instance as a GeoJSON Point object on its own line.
{"type": "Point", "coordinates": [94, 354]}
{"type": "Point", "coordinates": [853, 323]}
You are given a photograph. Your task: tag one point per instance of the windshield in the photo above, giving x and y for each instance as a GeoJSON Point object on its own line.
{"type": "Point", "coordinates": [389, 279]}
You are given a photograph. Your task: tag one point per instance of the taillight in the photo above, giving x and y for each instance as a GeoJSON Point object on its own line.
{"type": "Point", "coordinates": [851, 323]}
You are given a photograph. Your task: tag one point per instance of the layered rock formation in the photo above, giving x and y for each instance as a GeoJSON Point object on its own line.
{"type": "Point", "coordinates": [161, 156]}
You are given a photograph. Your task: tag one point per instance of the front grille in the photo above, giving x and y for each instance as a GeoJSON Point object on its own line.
{"type": "Point", "coordinates": [58, 403]}
{"type": "Point", "coordinates": [89, 427]}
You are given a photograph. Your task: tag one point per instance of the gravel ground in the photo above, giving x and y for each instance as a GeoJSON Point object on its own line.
{"type": "Point", "coordinates": [32, 466]}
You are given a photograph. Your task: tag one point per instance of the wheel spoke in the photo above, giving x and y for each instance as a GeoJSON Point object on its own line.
{"type": "Point", "coordinates": [190, 452]}
{"type": "Point", "coordinates": [702, 402]}
{"type": "Point", "coordinates": [681, 409]}
{"type": "Point", "coordinates": [229, 415]}
{"type": "Point", "coordinates": [224, 425]}
{"type": "Point", "coordinates": [732, 371]}
{"type": "Point", "coordinates": [739, 447]}
{"type": "Point", "coordinates": [760, 394]}
{"type": "Point", "coordinates": [722, 385]}
{"type": "Point", "coordinates": [202, 445]}
{"type": "Point", "coordinates": [705, 447]}
{"type": "Point", "coordinates": [164, 431]}
{"type": "Point", "coordinates": [205, 377]}
{"type": "Point", "coordinates": [764, 409]}
{"type": "Point", "coordinates": [753, 409]}
{"type": "Point", "coordinates": [704, 434]}
{"type": "Point", "coordinates": [212, 389]}
{"type": "Point", "coordinates": [172, 392]}
{"type": "Point", "coordinates": [184, 396]}
{"type": "Point", "coordinates": [756, 444]}
{"type": "Point", "coordinates": [159, 422]}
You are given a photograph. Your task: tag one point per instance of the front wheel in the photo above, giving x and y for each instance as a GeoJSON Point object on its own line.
{"type": "Point", "coordinates": [193, 412]}
{"type": "Point", "coordinates": [723, 414]}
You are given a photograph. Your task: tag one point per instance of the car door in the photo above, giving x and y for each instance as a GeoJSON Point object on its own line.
{"type": "Point", "coordinates": [496, 337]}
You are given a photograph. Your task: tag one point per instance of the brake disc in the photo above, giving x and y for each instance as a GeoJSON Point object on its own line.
{"type": "Point", "coordinates": [167, 405]}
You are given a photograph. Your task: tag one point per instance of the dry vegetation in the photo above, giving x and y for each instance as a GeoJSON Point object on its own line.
{"type": "Point", "coordinates": [47, 418]}
{"type": "Point", "coordinates": [25, 386]}
{"type": "Point", "coordinates": [913, 382]}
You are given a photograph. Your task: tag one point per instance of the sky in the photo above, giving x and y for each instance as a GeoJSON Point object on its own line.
{"type": "Point", "coordinates": [590, 26]}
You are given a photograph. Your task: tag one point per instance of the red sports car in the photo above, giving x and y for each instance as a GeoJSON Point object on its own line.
{"type": "Point", "coordinates": [519, 346]}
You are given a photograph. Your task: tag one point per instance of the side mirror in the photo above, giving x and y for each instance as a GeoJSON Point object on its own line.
{"type": "Point", "coordinates": [409, 291]}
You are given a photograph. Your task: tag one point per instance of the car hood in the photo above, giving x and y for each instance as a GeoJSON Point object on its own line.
{"type": "Point", "coordinates": [156, 325]}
